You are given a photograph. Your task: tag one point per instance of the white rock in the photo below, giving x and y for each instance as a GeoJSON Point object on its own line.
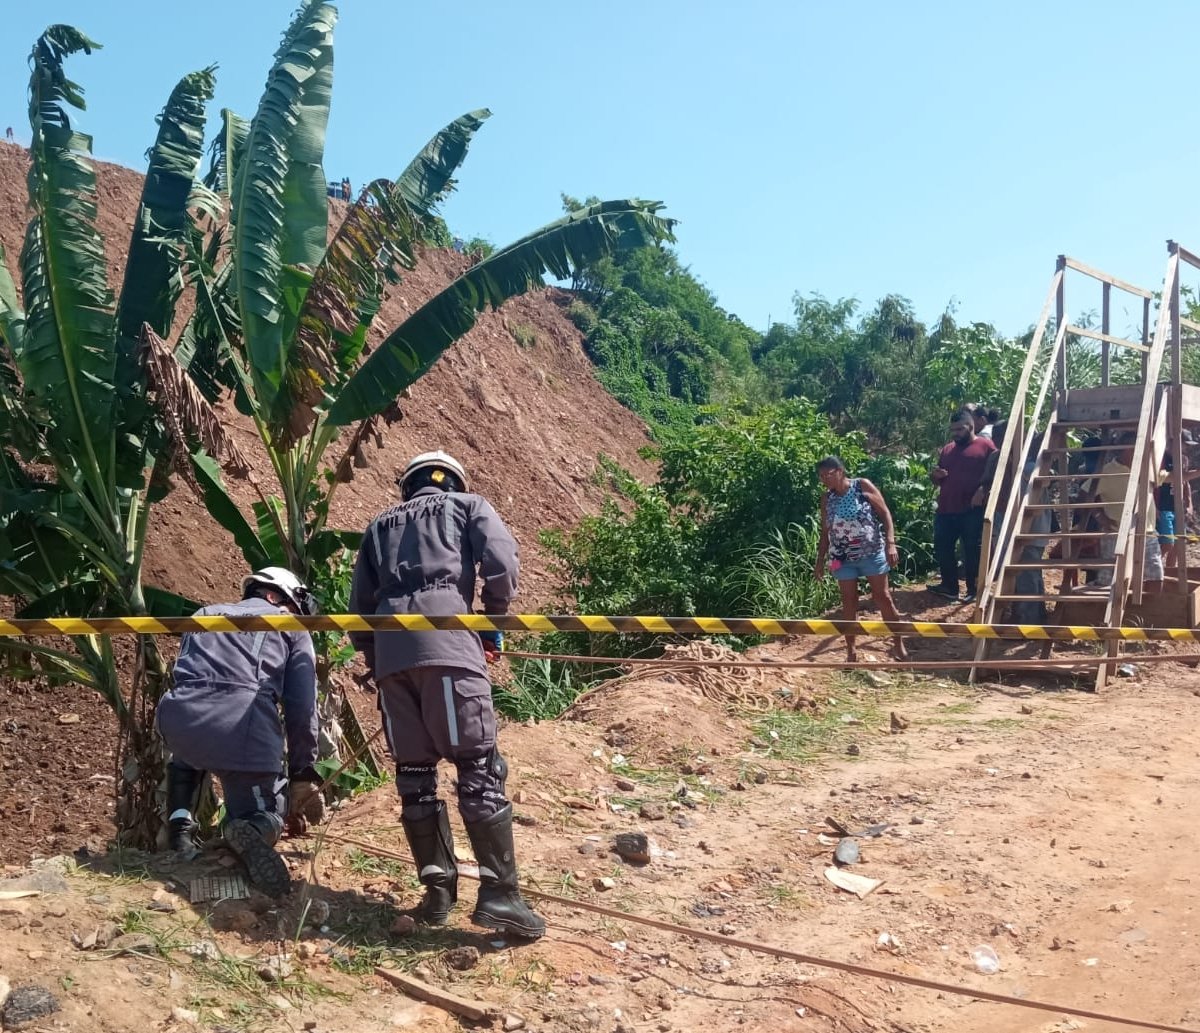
{"type": "Point", "coordinates": [512, 1022]}
{"type": "Point", "coordinates": [185, 1015]}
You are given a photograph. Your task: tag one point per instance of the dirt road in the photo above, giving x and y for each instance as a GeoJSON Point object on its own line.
{"type": "Point", "coordinates": [1050, 824]}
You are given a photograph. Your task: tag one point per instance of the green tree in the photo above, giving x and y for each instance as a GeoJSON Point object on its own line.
{"type": "Point", "coordinates": [283, 318]}
{"type": "Point", "coordinates": [82, 453]}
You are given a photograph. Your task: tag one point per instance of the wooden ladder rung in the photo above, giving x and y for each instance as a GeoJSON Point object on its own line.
{"type": "Point", "coordinates": [1065, 505]}
{"type": "Point", "coordinates": [1055, 535]}
{"type": "Point", "coordinates": [1073, 476]}
{"type": "Point", "coordinates": [1083, 448]}
{"type": "Point", "coordinates": [1099, 597]}
{"type": "Point", "coordinates": [1078, 421]}
{"type": "Point", "coordinates": [1063, 565]}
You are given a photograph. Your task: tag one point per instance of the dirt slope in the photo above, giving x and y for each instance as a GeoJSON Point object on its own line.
{"type": "Point", "coordinates": [528, 421]}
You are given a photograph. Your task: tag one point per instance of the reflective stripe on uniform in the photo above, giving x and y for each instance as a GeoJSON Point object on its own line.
{"type": "Point", "coordinates": [256, 646]}
{"type": "Point", "coordinates": [451, 715]}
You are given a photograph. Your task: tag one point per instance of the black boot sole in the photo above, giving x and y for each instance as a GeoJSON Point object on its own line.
{"type": "Point", "coordinates": [265, 867]}
{"type": "Point", "coordinates": [504, 925]}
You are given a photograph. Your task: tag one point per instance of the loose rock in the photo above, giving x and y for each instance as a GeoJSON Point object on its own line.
{"type": "Point", "coordinates": [605, 883]}
{"type": "Point", "coordinates": [513, 1022]}
{"type": "Point", "coordinates": [625, 784]}
{"type": "Point", "coordinates": [404, 925]}
{"type": "Point", "coordinates": [27, 1004]}
{"type": "Point", "coordinates": [134, 943]}
{"type": "Point", "coordinates": [652, 811]}
{"type": "Point", "coordinates": [462, 958]}
{"type": "Point", "coordinates": [276, 970]}
{"type": "Point", "coordinates": [318, 913]}
{"type": "Point", "coordinates": [633, 847]}
{"type": "Point", "coordinates": [846, 852]}
{"type": "Point", "coordinates": [899, 724]}
{"type": "Point", "coordinates": [185, 1016]}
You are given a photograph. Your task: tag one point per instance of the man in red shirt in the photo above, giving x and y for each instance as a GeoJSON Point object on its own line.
{"type": "Point", "coordinates": [958, 474]}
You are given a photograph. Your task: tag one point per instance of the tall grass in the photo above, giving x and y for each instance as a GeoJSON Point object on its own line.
{"type": "Point", "coordinates": [776, 579]}
{"type": "Point", "coordinates": [539, 689]}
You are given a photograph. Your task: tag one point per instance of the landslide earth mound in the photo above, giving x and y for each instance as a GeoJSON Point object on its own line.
{"type": "Point", "coordinates": [528, 420]}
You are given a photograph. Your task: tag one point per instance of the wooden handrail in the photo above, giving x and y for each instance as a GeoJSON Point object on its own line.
{"type": "Point", "coordinates": [1138, 486]}
{"type": "Point", "coordinates": [1014, 433]}
{"type": "Point", "coordinates": [1096, 335]}
{"type": "Point", "coordinates": [1096, 274]}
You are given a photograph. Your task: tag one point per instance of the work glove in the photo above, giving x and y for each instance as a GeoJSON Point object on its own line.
{"type": "Point", "coordinates": [493, 644]}
{"type": "Point", "coordinates": [306, 806]}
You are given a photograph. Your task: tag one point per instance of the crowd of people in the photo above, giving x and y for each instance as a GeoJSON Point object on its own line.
{"type": "Point", "coordinates": [858, 540]}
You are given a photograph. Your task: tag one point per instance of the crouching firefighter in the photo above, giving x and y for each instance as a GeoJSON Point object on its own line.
{"type": "Point", "coordinates": [222, 716]}
{"type": "Point", "coordinates": [421, 556]}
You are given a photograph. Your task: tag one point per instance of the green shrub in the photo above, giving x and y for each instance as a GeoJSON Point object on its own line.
{"type": "Point", "coordinates": [776, 579]}
{"type": "Point", "coordinates": [539, 690]}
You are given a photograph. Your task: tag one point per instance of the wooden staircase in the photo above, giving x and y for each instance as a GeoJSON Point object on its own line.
{"type": "Point", "coordinates": [1055, 478]}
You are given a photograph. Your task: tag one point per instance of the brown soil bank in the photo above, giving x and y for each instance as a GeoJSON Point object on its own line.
{"type": "Point", "coordinates": [528, 421]}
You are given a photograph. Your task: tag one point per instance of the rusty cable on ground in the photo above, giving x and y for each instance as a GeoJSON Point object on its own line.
{"type": "Point", "coordinates": [866, 665]}
{"type": "Point", "coordinates": [791, 955]}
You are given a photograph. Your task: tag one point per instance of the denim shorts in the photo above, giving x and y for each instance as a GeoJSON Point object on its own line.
{"type": "Point", "coordinates": [867, 566]}
{"type": "Point", "coordinates": [1166, 527]}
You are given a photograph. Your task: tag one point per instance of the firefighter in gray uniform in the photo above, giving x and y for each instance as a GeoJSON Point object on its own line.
{"type": "Point", "coordinates": [222, 716]}
{"type": "Point", "coordinates": [421, 556]}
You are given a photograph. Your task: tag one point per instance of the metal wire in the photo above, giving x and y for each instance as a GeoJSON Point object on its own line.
{"type": "Point", "coordinates": [798, 956]}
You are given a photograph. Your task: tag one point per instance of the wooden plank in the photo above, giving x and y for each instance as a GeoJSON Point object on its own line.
{"type": "Point", "coordinates": [1099, 335]}
{"type": "Point", "coordinates": [1062, 565]}
{"type": "Point", "coordinates": [1055, 535]}
{"type": "Point", "coordinates": [1063, 505]}
{"type": "Point", "coordinates": [1187, 256]}
{"type": "Point", "coordinates": [1012, 453]}
{"type": "Point", "coordinates": [1075, 476]}
{"type": "Point", "coordinates": [1045, 598]}
{"type": "Point", "coordinates": [476, 1011]}
{"type": "Point", "coordinates": [1105, 329]}
{"type": "Point", "coordinates": [1190, 403]}
{"type": "Point", "coordinates": [1096, 274]}
{"type": "Point", "coordinates": [1189, 324]}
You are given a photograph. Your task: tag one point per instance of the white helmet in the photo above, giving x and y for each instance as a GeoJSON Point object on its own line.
{"type": "Point", "coordinates": [438, 460]}
{"type": "Point", "coordinates": [283, 581]}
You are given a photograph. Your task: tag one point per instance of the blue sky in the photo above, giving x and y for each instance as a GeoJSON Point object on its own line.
{"type": "Point", "coordinates": [946, 152]}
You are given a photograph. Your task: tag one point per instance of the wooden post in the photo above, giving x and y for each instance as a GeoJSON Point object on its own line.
{"type": "Point", "coordinates": [1105, 324]}
{"type": "Point", "coordinates": [1060, 314]}
{"type": "Point", "coordinates": [1145, 336]}
{"type": "Point", "coordinates": [1175, 432]}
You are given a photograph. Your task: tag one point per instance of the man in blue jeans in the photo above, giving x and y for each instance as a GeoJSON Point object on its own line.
{"type": "Point", "coordinates": [958, 475]}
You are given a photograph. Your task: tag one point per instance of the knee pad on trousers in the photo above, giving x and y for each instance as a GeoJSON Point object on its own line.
{"type": "Point", "coordinates": [417, 786]}
{"type": "Point", "coordinates": [481, 785]}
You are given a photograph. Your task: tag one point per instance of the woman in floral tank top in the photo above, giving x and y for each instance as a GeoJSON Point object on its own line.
{"type": "Point", "coordinates": [859, 539]}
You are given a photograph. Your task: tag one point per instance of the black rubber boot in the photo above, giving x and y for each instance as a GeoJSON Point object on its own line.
{"type": "Point", "coordinates": [500, 905]}
{"type": "Point", "coordinates": [432, 845]}
{"type": "Point", "coordinates": [253, 840]}
{"type": "Point", "coordinates": [183, 790]}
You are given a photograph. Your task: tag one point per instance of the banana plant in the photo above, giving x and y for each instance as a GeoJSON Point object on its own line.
{"type": "Point", "coordinates": [83, 453]}
{"type": "Point", "coordinates": [282, 319]}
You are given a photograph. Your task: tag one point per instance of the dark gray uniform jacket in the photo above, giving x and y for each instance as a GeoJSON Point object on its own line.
{"type": "Point", "coordinates": [223, 712]}
{"type": "Point", "coordinates": [420, 557]}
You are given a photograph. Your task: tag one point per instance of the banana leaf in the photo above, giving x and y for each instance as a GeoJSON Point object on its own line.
{"type": "Point", "coordinates": [575, 240]}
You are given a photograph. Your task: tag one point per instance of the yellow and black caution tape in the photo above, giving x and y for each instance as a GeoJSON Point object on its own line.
{"type": "Point", "coordinates": [583, 622]}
